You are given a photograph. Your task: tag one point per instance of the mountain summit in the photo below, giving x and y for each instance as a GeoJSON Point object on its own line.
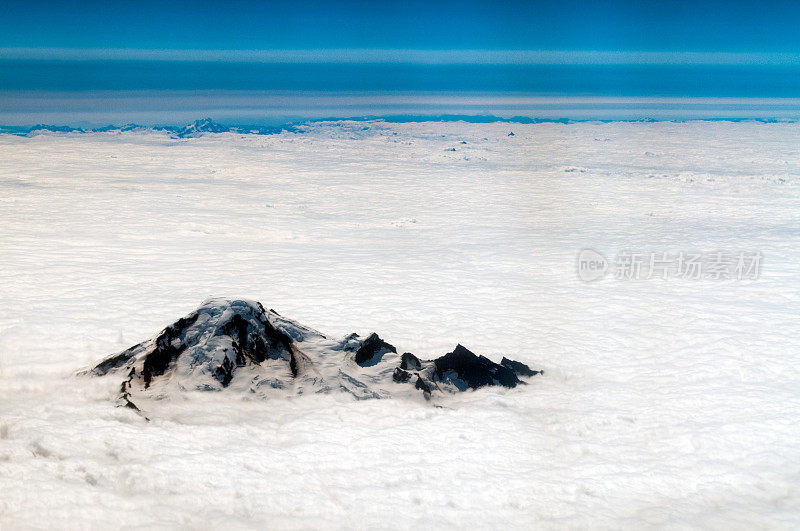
{"type": "Point", "coordinates": [238, 346]}
{"type": "Point", "coordinates": [206, 125]}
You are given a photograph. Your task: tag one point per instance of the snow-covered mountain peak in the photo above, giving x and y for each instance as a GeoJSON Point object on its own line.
{"type": "Point", "coordinates": [236, 345]}
{"type": "Point", "coordinates": [206, 125]}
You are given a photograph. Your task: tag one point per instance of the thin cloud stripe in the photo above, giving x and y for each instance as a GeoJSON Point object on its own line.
{"type": "Point", "coordinates": [406, 56]}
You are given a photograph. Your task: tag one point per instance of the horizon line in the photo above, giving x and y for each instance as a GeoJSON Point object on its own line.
{"type": "Point", "coordinates": [406, 56]}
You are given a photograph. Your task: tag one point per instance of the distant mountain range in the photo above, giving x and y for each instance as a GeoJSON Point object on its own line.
{"type": "Point", "coordinates": [192, 130]}
{"type": "Point", "coordinates": [207, 125]}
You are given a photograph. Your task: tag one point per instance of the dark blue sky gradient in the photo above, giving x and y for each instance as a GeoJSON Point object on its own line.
{"type": "Point", "coordinates": [99, 62]}
{"type": "Point", "coordinates": [733, 26]}
{"type": "Point", "coordinates": [551, 80]}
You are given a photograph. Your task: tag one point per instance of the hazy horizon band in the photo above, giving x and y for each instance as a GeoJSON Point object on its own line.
{"type": "Point", "coordinates": [102, 92]}
{"type": "Point", "coordinates": [275, 108]}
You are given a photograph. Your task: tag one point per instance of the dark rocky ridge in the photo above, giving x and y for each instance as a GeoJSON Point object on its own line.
{"type": "Point", "coordinates": [371, 350]}
{"type": "Point", "coordinates": [236, 344]}
{"type": "Point", "coordinates": [472, 371]}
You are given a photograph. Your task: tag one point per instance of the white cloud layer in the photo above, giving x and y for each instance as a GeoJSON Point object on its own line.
{"type": "Point", "coordinates": [664, 403]}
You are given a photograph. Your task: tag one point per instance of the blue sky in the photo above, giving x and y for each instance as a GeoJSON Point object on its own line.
{"type": "Point", "coordinates": [70, 62]}
{"type": "Point", "coordinates": [731, 26]}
